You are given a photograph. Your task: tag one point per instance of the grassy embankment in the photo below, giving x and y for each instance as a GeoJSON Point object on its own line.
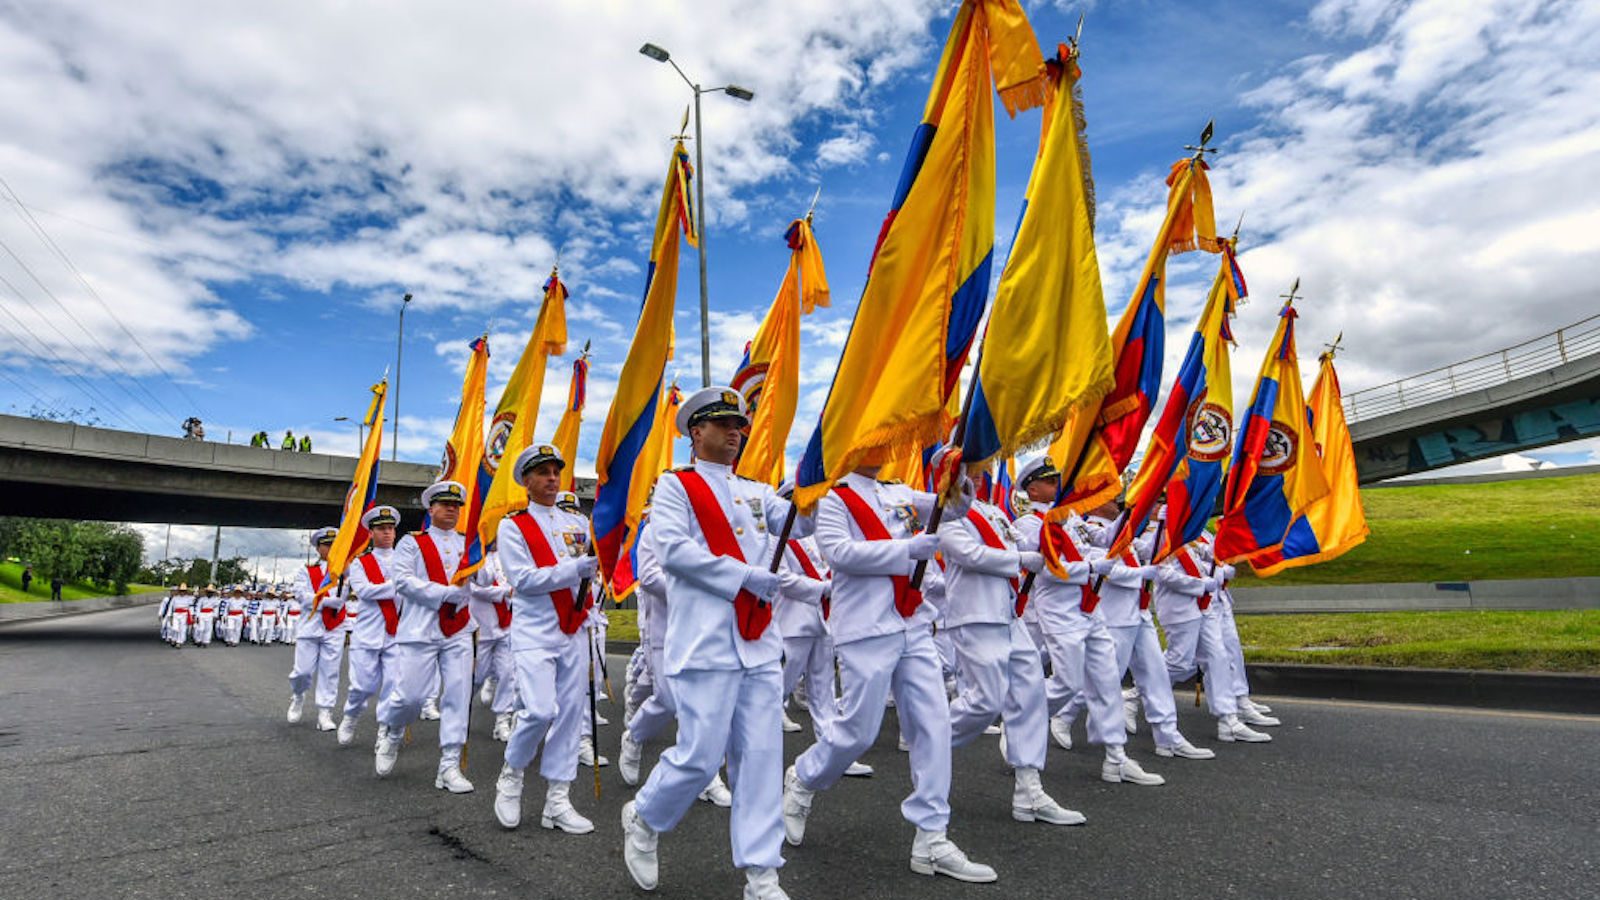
{"type": "Point", "coordinates": [11, 587]}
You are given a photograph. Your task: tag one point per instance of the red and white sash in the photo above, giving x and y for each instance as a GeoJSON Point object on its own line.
{"type": "Point", "coordinates": [1192, 569]}
{"type": "Point", "coordinates": [810, 568]}
{"type": "Point", "coordinates": [449, 622]}
{"type": "Point", "coordinates": [374, 572]}
{"type": "Point", "coordinates": [906, 598]}
{"type": "Point", "coordinates": [752, 615]}
{"type": "Point", "coordinates": [991, 539]}
{"type": "Point", "coordinates": [569, 612]}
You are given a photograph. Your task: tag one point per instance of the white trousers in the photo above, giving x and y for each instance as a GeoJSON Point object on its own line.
{"type": "Point", "coordinates": [657, 712]}
{"type": "Point", "coordinates": [495, 659]}
{"type": "Point", "coordinates": [204, 625]}
{"type": "Point", "coordinates": [812, 657]}
{"type": "Point", "coordinates": [177, 629]}
{"type": "Point", "coordinates": [1197, 644]}
{"type": "Point", "coordinates": [232, 629]}
{"type": "Point", "coordinates": [869, 669]}
{"type": "Point", "coordinates": [1138, 648]}
{"type": "Point", "coordinates": [1083, 660]}
{"type": "Point", "coordinates": [290, 629]}
{"type": "Point", "coordinates": [369, 670]}
{"type": "Point", "coordinates": [1234, 649]}
{"type": "Point", "coordinates": [551, 684]}
{"type": "Point", "coordinates": [318, 657]}
{"type": "Point", "coordinates": [733, 714]}
{"type": "Point", "coordinates": [417, 667]}
{"type": "Point", "coordinates": [1001, 676]}
{"type": "Point", "coordinates": [639, 682]}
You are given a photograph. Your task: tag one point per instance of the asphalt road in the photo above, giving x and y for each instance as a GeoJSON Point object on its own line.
{"type": "Point", "coordinates": [129, 769]}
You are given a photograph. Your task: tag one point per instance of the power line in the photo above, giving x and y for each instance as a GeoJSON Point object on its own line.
{"type": "Point", "coordinates": [22, 210]}
{"type": "Point", "coordinates": [44, 353]}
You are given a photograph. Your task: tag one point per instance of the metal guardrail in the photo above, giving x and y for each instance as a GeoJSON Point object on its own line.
{"type": "Point", "coordinates": [1530, 357]}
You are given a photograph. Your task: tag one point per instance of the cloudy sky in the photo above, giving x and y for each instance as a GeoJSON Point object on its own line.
{"type": "Point", "coordinates": [214, 209]}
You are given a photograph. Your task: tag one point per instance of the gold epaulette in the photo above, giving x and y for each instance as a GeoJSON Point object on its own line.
{"type": "Point", "coordinates": [891, 481]}
{"type": "Point", "coordinates": [682, 469]}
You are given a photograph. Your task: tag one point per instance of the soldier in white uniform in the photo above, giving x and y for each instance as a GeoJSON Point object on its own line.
{"type": "Point", "coordinates": [319, 642]}
{"type": "Point", "coordinates": [712, 529]}
{"type": "Point", "coordinates": [205, 618]}
{"type": "Point", "coordinates": [289, 616]}
{"type": "Point", "coordinates": [871, 535]}
{"type": "Point", "coordinates": [372, 641]}
{"type": "Point", "coordinates": [1250, 712]}
{"type": "Point", "coordinates": [271, 616]}
{"type": "Point", "coordinates": [495, 674]}
{"type": "Point", "coordinates": [1001, 673]}
{"type": "Point", "coordinates": [1082, 654]}
{"type": "Point", "coordinates": [434, 638]}
{"type": "Point", "coordinates": [544, 554]}
{"type": "Point", "coordinates": [1185, 586]}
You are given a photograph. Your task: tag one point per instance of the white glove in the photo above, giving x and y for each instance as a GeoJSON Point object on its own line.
{"type": "Point", "coordinates": [762, 583]}
{"type": "Point", "coordinates": [333, 601]}
{"type": "Point", "coordinates": [788, 579]}
{"type": "Point", "coordinates": [1101, 566]}
{"type": "Point", "coordinates": [923, 546]}
{"type": "Point", "coordinates": [1148, 573]}
{"type": "Point", "coordinates": [1227, 572]}
{"type": "Point", "coordinates": [1210, 586]}
{"type": "Point", "coordinates": [1031, 561]}
{"type": "Point", "coordinates": [458, 597]}
{"type": "Point", "coordinates": [961, 502]}
{"type": "Point", "coordinates": [587, 566]}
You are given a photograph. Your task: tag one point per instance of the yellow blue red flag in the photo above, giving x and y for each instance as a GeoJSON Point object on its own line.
{"type": "Point", "coordinates": [352, 537]}
{"type": "Point", "coordinates": [623, 482]}
{"type": "Point", "coordinates": [1336, 523]}
{"type": "Point", "coordinates": [463, 452]}
{"type": "Point", "coordinates": [656, 458]}
{"type": "Point", "coordinates": [1275, 474]}
{"type": "Point", "coordinates": [566, 439]}
{"type": "Point", "coordinates": [928, 281]}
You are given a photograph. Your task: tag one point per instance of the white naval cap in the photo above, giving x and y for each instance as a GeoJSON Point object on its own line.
{"type": "Point", "coordinates": [444, 492]}
{"type": "Point", "coordinates": [535, 454]}
{"type": "Point", "coordinates": [323, 535]}
{"type": "Point", "coordinates": [568, 500]}
{"type": "Point", "coordinates": [380, 515]}
{"type": "Point", "coordinates": [1038, 467]}
{"type": "Point", "coordinates": [715, 402]}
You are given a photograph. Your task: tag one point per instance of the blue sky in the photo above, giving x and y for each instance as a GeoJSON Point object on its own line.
{"type": "Point", "coordinates": [249, 192]}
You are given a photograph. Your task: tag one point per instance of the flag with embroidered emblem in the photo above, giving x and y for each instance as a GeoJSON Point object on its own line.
{"type": "Point", "coordinates": [654, 460]}
{"type": "Point", "coordinates": [622, 480]}
{"type": "Point", "coordinates": [463, 452]}
{"type": "Point", "coordinates": [928, 280]}
{"type": "Point", "coordinates": [566, 439]}
{"type": "Point", "coordinates": [351, 541]}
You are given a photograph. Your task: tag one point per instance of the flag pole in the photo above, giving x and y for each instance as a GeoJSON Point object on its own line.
{"type": "Point", "coordinates": [956, 438]}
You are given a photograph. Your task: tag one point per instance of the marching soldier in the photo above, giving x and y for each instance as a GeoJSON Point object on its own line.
{"type": "Point", "coordinates": [179, 615]}
{"type": "Point", "coordinates": [1000, 670]}
{"type": "Point", "coordinates": [205, 622]}
{"type": "Point", "coordinates": [871, 535]}
{"type": "Point", "coordinates": [372, 640]}
{"type": "Point", "coordinates": [711, 531]}
{"type": "Point", "coordinates": [1250, 712]}
{"type": "Point", "coordinates": [544, 554]}
{"type": "Point", "coordinates": [1082, 654]}
{"type": "Point", "coordinates": [318, 641]}
{"type": "Point", "coordinates": [233, 621]}
{"type": "Point", "coordinates": [434, 638]}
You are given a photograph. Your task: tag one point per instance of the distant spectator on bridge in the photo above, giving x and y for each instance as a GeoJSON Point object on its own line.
{"type": "Point", "coordinates": [305, 444]}
{"type": "Point", "coordinates": [27, 577]}
{"type": "Point", "coordinates": [288, 440]}
{"type": "Point", "coordinates": [259, 439]}
{"type": "Point", "coordinates": [193, 429]}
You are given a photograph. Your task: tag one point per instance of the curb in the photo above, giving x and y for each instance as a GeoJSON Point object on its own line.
{"type": "Point", "coordinates": [1526, 691]}
{"type": "Point", "coordinates": [14, 613]}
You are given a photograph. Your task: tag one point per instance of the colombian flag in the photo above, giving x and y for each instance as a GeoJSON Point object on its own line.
{"type": "Point", "coordinates": [656, 458]}
{"type": "Point", "coordinates": [928, 280]}
{"type": "Point", "coordinates": [1189, 448]}
{"type": "Point", "coordinates": [625, 473]}
{"type": "Point", "coordinates": [1046, 351]}
{"type": "Point", "coordinates": [1275, 473]}
{"type": "Point", "coordinates": [1097, 443]}
{"type": "Point", "coordinates": [463, 452]}
{"type": "Point", "coordinates": [566, 439]}
{"type": "Point", "coordinates": [497, 493]}
{"type": "Point", "coordinates": [352, 537]}
{"type": "Point", "coordinates": [997, 487]}
{"type": "Point", "coordinates": [769, 376]}
{"type": "Point", "coordinates": [1336, 523]}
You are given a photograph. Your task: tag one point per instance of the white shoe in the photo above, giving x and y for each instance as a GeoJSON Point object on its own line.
{"type": "Point", "coordinates": [903, 747]}
{"type": "Point", "coordinates": [297, 705]}
{"type": "Point", "coordinates": [386, 751]}
{"type": "Point", "coordinates": [587, 756]}
{"type": "Point", "coordinates": [486, 693]}
{"type": "Point", "coordinates": [502, 726]}
{"type": "Point", "coordinates": [796, 808]}
{"type": "Point", "coordinates": [347, 731]}
{"type": "Point", "coordinates": [790, 725]}
{"type": "Point", "coordinates": [1231, 729]}
{"type": "Point", "coordinates": [717, 792]}
{"type": "Point", "coordinates": [934, 854]}
{"type": "Point", "coordinates": [639, 849]}
{"type": "Point", "coordinates": [1129, 772]}
{"type": "Point", "coordinates": [1251, 716]}
{"type": "Point", "coordinates": [1061, 732]}
{"type": "Point", "coordinates": [1184, 750]}
{"type": "Point", "coordinates": [508, 797]}
{"type": "Point", "coordinates": [1029, 803]}
{"type": "Point", "coordinates": [450, 779]}
{"type": "Point", "coordinates": [630, 757]}
{"type": "Point", "coordinates": [992, 729]}
{"type": "Point", "coordinates": [601, 721]}
{"type": "Point", "coordinates": [325, 720]}
{"type": "Point", "coordinates": [762, 884]}
{"type": "Point", "coordinates": [1244, 701]}
{"type": "Point", "coordinates": [558, 812]}
{"type": "Point", "coordinates": [430, 710]}
{"type": "Point", "coordinates": [859, 769]}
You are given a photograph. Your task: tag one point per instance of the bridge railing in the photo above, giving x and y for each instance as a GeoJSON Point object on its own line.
{"type": "Point", "coordinates": [1530, 357]}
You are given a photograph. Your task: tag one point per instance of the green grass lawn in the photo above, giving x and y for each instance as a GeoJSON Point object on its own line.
{"type": "Point", "coordinates": [624, 625]}
{"type": "Point", "coordinates": [11, 587]}
{"type": "Point", "coordinates": [1532, 528]}
{"type": "Point", "coordinates": [1542, 641]}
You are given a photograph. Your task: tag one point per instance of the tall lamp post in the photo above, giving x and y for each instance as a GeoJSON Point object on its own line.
{"type": "Point", "coordinates": [361, 432]}
{"type": "Point", "coordinates": [738, 93]}
{"type": "Point", "coordinates": [399, 350]}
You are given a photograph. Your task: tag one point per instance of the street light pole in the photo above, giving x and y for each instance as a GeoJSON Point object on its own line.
{"type": "Point", "coordinates": [399, 350]}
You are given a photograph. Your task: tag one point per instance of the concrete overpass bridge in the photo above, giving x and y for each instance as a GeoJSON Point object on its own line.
{"type": "Point", "coordinates": [1540, 392]}
{"type": "Point", "coordinates": [61, 470]}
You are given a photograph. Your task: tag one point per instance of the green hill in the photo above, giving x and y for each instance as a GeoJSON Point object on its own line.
{"type": "Point", "coordinates": [11, 587]}
{"type": "Point", "coordinates": [1528, 528]}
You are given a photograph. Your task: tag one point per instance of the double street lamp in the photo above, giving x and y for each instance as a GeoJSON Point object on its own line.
{"type": "Point", "coordinates": [738, 93]}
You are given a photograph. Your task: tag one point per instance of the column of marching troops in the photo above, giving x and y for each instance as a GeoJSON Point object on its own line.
{"type": "Point", "coordinates": [724, 641]}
